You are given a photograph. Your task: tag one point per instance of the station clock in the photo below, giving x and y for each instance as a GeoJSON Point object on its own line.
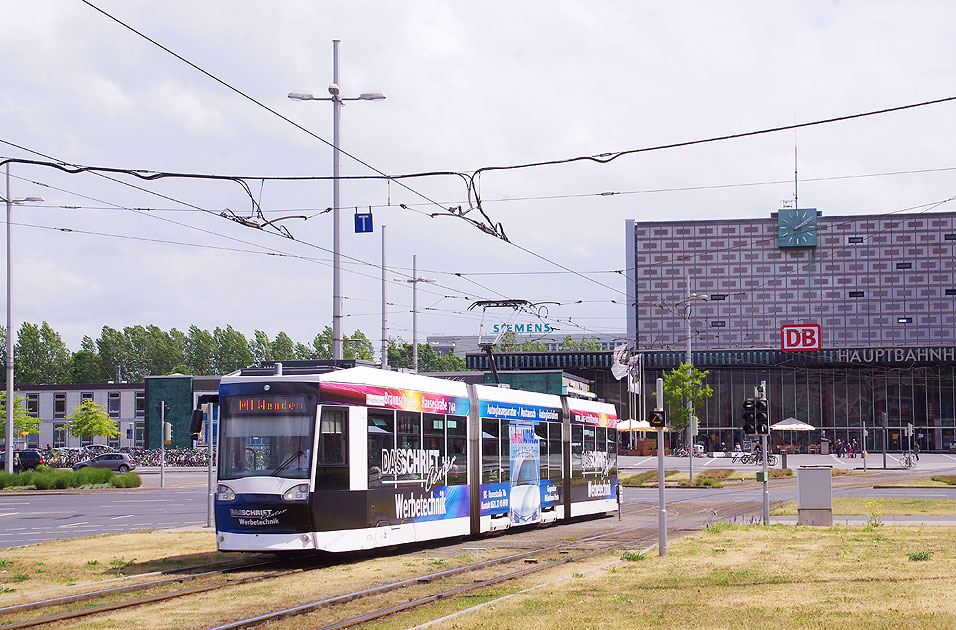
{"type": "Point", "coordinates": [797, 227]}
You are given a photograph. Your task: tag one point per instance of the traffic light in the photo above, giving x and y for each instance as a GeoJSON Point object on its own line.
{"type": "Point", "coordinates": [748, 417]}
{"type": "Point", "coordinates": [196, 424]}
{"type": "Point", "coordinates": [168, 432]}
{"type": "Point", "coordinates": [762, 413]}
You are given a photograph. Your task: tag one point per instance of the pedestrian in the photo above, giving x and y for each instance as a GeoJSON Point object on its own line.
{"type": "Point", "coordinates": [16, 462]}
{"type": "Point", "coordinates": [854, 448]}
{"type": "Point", "coordinates": [839, 447]}
{"type": "Point", "coordinates": [916, 450]}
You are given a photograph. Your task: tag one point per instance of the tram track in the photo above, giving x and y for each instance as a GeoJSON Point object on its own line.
{"type": "Point", "coordinates": [84, 600]}
{"type": "Point", "coordinates": [640, 535]}
{"type": "Point", "coordinates": [81, 605]}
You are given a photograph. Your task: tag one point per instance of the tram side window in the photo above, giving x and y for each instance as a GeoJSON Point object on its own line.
{"type": "Point", "coordinates": [504, 441]}
{"type": "Point", "coordinates": [541, 430]}
{"type": "Point", "coordinates": [612, 438]}
{"type": "Point", "coordinates": [409, 436]}
{"type": "Point", "coordinates": [577, 450]}
{"type": "Point", "coordinates": [490, 470]}
{"type": "Point", "coordinates": [434, 439]}
{"type": "Point", "coordinates": [332, 466]}
{"type": "Point", "coordinates": [590, 447]}
{"type": "Point", "coordinates": [457, 449]}
{"type": "Point", "coordinates": [555, 461]}
{"type": "Point", "coordinates": [381, 437]}
{"type": "Point", "coordinates": [601, 446]}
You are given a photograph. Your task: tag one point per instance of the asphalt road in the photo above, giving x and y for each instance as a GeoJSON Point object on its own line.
{"type": "Point", "coordinates": [28, 518]}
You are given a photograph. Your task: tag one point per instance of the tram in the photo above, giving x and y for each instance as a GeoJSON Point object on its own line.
{"type": "Point", "coordinates": [361, 458]}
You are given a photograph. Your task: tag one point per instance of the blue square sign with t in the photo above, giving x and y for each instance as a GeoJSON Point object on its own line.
{"type": "Point", "coordinates": [363, 222]}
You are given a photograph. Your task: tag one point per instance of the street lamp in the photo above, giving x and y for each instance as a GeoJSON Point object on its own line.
{"type": "Point", "coordinates": [414, 282]}
{"type": "Point", "coordinates": [8, 449]}
{"type": "Point", "coordinates": [693, 297]}
{"type": "Point", "coordinates": [338, 102]}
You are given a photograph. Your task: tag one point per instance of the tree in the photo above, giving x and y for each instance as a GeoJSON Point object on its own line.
{"type": "Point", "coordinates": [200, 351]}
{"type": "Point", "coordinates": [400, 356]}
{"type": "Point", "coordinates": [303, 352]}
{"type": "Point", "coordinates": [570, 344]}
{"type": "Point", "coordinates": [84, 365]}
{"type": "Point", "coordinates": [22, 421]}
{"type": "Point", "coordinates": [358, 346]}
{"type": "Point", "coordinates": [232, 350]}
{"type": "Point", "coordinates": [590, 343]}
{"type": "Point", "coordinates": [508, 343]}
{"type": "Point", "coordinates": [114, 351]}
{"type": "Point", "coordinates": [323, 344]}
{"type": "Point", "coordinates": [40, 356]}
{"type": "Point", "coordinates": [89, 420]}
{"type": "Point", "coordinates": [681, 384]}
{"type": "Point", "coordinates": [533, 346]}
{"type": "Point", "coordinates": [283, 348]}
{"type": "Point", "coordinates": [260, 347]}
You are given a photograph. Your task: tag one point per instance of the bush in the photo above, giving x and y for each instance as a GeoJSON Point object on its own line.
{"type": "Point", "coordinates": [779, 472]}
{"type": "Point", "coordinates": [126, 480]}
{"type": "Point", "coordinates": [89, 476]}
{"type": "Point", "coordinates": [950, 479]}
{"type": "Point", "coordinates": [8, 480]}
{"type": "Point", "coordinates": [715, 473]}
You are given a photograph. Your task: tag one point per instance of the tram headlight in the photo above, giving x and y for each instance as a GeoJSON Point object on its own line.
{"type": "Point", "coordinates": [225, 493]}
{"type": "Point", "coordinates": [297, 493]}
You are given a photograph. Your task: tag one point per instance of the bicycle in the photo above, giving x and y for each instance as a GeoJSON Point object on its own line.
{"type": "Point", "coordinates": [908, 460]}
{"type": "Point", "coordinates": [680, 452]}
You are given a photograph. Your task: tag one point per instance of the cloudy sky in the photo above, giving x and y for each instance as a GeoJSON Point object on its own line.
{"type": "Point", "coordinates": [468, 85]}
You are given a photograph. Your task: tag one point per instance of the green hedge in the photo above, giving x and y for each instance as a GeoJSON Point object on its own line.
{"type": "Point", "coordinates": [45, 478]}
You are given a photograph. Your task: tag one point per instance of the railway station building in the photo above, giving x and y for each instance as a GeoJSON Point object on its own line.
{"type": "Point", "coordinates": [881, 288]}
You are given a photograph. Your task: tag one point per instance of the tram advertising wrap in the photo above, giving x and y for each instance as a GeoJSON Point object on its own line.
{"type": "Point", "coordinates": [594, 477]}
{"type": "Point", "coordinates": [524, 496]}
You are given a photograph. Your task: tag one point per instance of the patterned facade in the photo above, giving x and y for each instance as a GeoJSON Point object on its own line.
{"type": "Point", "coordinates": [870, 281]}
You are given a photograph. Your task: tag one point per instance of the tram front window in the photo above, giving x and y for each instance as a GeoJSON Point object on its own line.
{"type": "Point", "coordinates": [266, 436]}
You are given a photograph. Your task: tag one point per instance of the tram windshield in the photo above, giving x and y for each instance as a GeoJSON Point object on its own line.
{"type": "Point", "coordinates": [266, 435]}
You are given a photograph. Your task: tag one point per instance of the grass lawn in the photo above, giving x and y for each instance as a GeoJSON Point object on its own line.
{"type": "Point", "coordinates": [895, 506]}
{"type": "Point", "coordinates": [734, 577]}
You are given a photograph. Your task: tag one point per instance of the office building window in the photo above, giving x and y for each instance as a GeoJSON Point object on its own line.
{"type": "Point", "coordinates": [139, 435]}
{"type": "Point", "coordinates": [904, 265]}
{"type": "Point", "coordinates": [113, 405]}
{"type": "Point", "coordinates": [59, 435]}
{"type": "Point", "coordinates": [854, 239]}
{"type": "Point", "coordinates": [86, 396]}
{"type": "Point", "coordinates": [904, 320]}
{"type": "Point", "coordinates": [140, 404]}
{"type": "Point", "coordinates": [59, 405]}
{"type": "Point", "coordinates": [856, 293]}
{"type": "Point", "coordinates": [33, 405]}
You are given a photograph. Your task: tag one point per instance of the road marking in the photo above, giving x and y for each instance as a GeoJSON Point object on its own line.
{"type": "Point", "coordinates": [9, 513]}
{"type": "Point", "coordinates": [949, 456]}
{"type": "Point", "coordinates": [73, 525]}
{"type": "Point", "coordinates": [709, 462]}
{"type": "Point", "coordinates": [113, 518]}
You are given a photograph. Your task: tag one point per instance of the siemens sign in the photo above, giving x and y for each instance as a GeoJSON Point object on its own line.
{"type": "Point", "coordinates": [523, 329]}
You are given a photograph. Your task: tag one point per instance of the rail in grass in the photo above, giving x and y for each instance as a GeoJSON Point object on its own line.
{"type": "Point", "coordinates": [363, 458]}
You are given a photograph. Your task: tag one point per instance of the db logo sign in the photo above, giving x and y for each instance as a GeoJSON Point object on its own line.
{"type": "Point", "coordinates": [802, 337]}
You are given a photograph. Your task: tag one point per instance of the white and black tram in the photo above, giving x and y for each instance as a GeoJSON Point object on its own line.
{"type": "Point", "coordinates": [361, 458]}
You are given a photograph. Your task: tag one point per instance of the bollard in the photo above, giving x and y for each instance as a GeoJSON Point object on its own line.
{"type": "Point", "coordinates": [783, 460]}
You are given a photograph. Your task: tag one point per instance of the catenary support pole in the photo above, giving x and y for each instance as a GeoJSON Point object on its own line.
{"type": "Point", "coordinates": [8, 447]}
{"type": "Point", "coordinates": [162, 444]}
{"type": "Point", "coordinates": [384, 308]}
{"type": "Point", "coordinates": [766, 484]}
{"type": "Point", "coordinates": [211, 476]}
{"type": "Point", "coordinates": [337, 352]}
{"type": "Point", "coordinates": [662, 506]}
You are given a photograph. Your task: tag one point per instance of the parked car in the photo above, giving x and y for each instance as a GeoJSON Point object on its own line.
{"type": "Point", "coordinates": [97, 449]}
{"type": "Point", "coordinates": [29, 459]}
{"type": "Point", "coordinates": [120, 462]}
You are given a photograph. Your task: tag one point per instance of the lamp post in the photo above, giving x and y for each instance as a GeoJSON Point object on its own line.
{"type": "Point", "coordinates": [337, 103]}
{"type": "Point", "coordinates": [8, 449]}
{"type": "Point", "coordinates": [693, 297]}
{"type": "Point", "coordinates": [414, 280]}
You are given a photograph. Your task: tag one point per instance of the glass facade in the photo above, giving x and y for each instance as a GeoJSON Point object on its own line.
{"type": "Point", "coordinates": [840, 402]}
